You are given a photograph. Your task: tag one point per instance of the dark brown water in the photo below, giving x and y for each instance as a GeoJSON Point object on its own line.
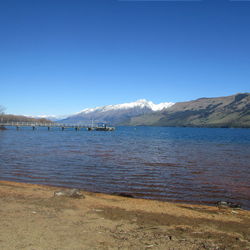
{"type": "Point", "coordinates": [196, 165]}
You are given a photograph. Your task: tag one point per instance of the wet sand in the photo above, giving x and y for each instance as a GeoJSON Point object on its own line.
{"type": "Point", "coordinates": [31, 218]}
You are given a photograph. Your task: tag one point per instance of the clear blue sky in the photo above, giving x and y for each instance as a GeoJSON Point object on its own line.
{"type": "Point", "coordinates": [60, 56]}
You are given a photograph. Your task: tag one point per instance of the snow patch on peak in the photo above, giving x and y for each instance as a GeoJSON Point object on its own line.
{"type": "Point", "coordinates": [141, 103]}
{"type": "Point", "coordinates": [116, 114]}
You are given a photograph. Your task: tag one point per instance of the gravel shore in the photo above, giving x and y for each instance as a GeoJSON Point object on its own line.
{"type": "Point", "coordinates": [32, 218]}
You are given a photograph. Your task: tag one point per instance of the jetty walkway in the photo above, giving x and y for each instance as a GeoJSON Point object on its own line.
{"type": "Point", "coordinates": [62, 126]}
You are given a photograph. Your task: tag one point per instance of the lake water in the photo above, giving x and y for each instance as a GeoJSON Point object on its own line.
{"type": "Point", "coordinates": [194, 165]}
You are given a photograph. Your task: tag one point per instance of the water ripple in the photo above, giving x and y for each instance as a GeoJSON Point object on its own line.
{"type": "Point", "coordinates": [173, 164]}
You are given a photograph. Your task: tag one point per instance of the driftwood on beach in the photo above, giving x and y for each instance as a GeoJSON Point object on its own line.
{"type": "Point", "coordinates": [71, 193]}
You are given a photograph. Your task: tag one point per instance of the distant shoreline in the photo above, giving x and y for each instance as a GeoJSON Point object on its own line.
{"type": "Point", "coordinates": [152, 126]}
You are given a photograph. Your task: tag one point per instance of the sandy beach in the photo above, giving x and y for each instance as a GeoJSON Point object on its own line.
{"type": "Point", "coordinates": [32, 218]}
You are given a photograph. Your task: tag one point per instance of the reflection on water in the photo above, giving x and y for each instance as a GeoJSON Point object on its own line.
{"type": "Point", "coordinates": [197, 165]}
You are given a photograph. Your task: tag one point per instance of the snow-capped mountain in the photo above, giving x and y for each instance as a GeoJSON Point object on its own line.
{"type": "Point", "coordinates": [115, 114]}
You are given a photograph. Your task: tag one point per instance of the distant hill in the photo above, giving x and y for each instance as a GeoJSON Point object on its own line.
{"type": "Point", "coordinates": [116, 114]}
{"type": "Point", "coordinates": [229, 111]}
{"type": "Point", "coordinates": [20, 118]}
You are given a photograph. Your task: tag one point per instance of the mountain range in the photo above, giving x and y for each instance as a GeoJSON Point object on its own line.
{"type": "Point", "coordinates": [116, 114]}
{"type": "Point", "coordinates": [228, 111]}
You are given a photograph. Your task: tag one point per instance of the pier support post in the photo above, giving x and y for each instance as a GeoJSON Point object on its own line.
{"type": "Point", "coordinates": [48, 128]}
{"type": "Point", "coordinates": [17, 128]}
{"type": "Point", "coordinates": [33, 127]}
{"type": "Point", "coordinates": [62, 128]}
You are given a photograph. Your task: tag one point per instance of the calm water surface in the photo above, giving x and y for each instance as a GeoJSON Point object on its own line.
{"type": "Point", "coordinates": [195, 165]}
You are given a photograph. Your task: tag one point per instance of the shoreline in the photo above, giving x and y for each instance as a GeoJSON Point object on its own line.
{"type": "Point", "coordinates": [104, 221]}
{"type": "Point", "coordinates": [127, 195]}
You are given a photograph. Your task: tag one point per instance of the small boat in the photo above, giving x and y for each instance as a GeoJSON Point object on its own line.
{"type": "Point", "coordinates": [105, 128]}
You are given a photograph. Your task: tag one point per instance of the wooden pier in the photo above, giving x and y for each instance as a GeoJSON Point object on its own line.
{"type": "Point", "coordinates": [62, 126]}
